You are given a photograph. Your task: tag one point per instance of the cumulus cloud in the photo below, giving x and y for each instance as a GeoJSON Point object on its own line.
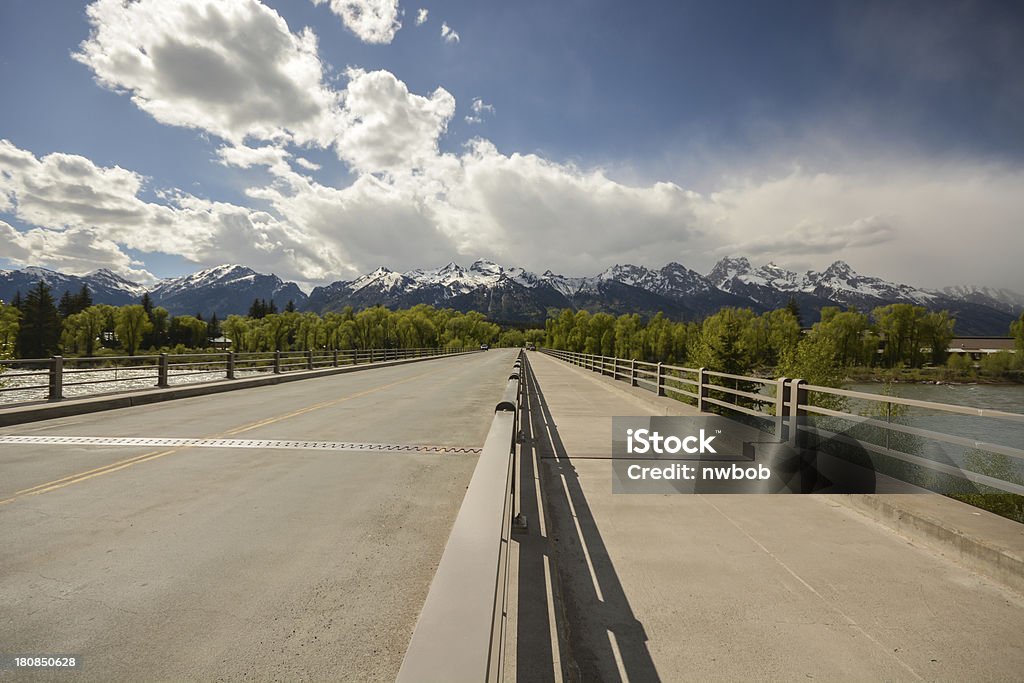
{"type": "Point", "coordinates": [448, 34]}
{"type": "Point", "coordinates": [421, 16]}
{"type": "Point", "coordinates": [230, 67]}
{"type": "Point", "coordinates": [76, 251]}
{"type": "Point", "coordinates": [386, 127]}
{"type": "Point", "coordinates": [373, 21]}
{"type": "Point", "coordinates": [70, 201]}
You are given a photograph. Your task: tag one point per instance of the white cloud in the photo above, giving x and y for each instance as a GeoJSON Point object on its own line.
{"type": "Point", "coordinates": [421, 16]}
{"type": "Point", "coordinates": [913, 221]}
{"type": "Point", "coordinates": [70, 202]}
{"type": "Point", "coordinates": [76, 251]}
{"type": "Point", "coordinates": [448, 34]}
{"type": "Point", "coordinates": [307, 164]}
{"type": "Point", "coordinates": [373, 21]}
{"type": "Point", "coordinates": [230, 67]}
{"type": "Point", "coordinates": [387, 128]}
{"type": "Point", "coordinates": [479, 108]}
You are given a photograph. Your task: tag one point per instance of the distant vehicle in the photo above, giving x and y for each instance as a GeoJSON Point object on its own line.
{"type": "Point", "coordinates": [484, 347]}
{"type": "Point", "coordinates": [531, 347]}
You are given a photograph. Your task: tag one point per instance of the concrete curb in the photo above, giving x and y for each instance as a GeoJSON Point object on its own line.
{"type": "Point", "coordinates": [980, 540]}
{"type": "Point", "coordinates": [35, 412]}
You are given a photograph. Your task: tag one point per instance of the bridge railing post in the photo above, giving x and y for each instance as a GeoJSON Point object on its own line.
{"type": "Point", "coordinates": [277, 362]}
{"type": "Point", "coordinates": [335, 357]}
{"type": "Point", "coordinates": [162, 371]}
{"type": "Point", "coordinates": [781, 411]}
{"type": "Point", "coordinates": [702, 388]}
{"type": "Point", "coordinates": [231, 365]}
{"type": "Point", "coordinates": [797, 396]}
{"type": "Point", "coordinates": [56, 392]}
{"type": "Point", "coordinates": [632, 373]}
{"type": "Point", "coordinates": [309, 359]}
{"type": "Point", "coordinates": [661, 380]}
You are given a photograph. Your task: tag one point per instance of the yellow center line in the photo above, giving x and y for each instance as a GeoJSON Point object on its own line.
{"type": "Point", "coordinates": [73, 476]}
{"type": "Point", "coordinates": [153, 455]}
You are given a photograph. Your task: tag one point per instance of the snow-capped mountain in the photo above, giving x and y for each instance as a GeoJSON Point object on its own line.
{"type": "Point", "coordinates": [224, 290]}
{"type": "Point", "coordinates": [999, 299]}
{"type": "Point", "coordinates": [511, 294]}
{"type": "Point", "coordinates": [106, 287]}
{"type": "Point", "coordinates": [840, 283]}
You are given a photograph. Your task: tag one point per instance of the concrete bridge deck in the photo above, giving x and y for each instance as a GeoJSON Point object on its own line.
{"type": "Point", "coordinates": [726, 588]}
{"type": "Point", "coordinates": [193, 563]}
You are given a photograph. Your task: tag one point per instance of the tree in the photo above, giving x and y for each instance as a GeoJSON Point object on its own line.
{"type": "Point", "coordinates": [132, 323]}
{"type": "Point", "coordinates": [794, 309]}
{"type": "Point", "coordinates": [188, 331]}
{"type": "Point", "coordinates": [66, 306]}
{"type": "Point", "coordinates": [1017, 332]}
{"type": "Point", "coordinates": [83, 300]}
{"type": "Point", "coordinates": [81, 330]}
{"type": "Point", "coordinates": [147, 304]}
{"type": "Point", "coordinates": [39, 332]}
{"type": "Point", "coordinates": [237, 328]}
{"type": "Point", "coordinates": [10, 321]}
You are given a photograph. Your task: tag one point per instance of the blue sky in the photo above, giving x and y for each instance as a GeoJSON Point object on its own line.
{"type": "Point", "coordinates": [801, 133]}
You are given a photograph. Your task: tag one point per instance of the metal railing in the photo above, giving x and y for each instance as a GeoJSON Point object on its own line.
{"type": "Point", "coordinates": [792, 405]}
{"type": "Point", "coordinates": [57, 377]}
{"type": "Point", "coordinates": [460, 634]}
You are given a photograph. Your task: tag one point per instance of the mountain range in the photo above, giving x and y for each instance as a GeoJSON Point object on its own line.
{"type": "Point", "coordinates": [519, 296]}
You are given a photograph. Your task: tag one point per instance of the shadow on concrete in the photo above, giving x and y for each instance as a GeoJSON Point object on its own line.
{"type": "Point", "coordinates": [598, 636]}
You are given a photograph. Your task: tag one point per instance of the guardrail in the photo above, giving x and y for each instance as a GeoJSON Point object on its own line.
{"type": "Point", "coordinates": [790, 405]}
{"type": "Point", "coordinates": [50, 379]}
{"type": "Point", "coordinates": [460, 634]}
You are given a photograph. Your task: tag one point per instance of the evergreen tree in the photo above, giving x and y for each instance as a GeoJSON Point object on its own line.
{"type": "Point", "coordinates": [147, 305]}
{"type": "Point", "coordinates": [213, 327]}
{"type": "Point", "coordinates": [793, 307]}
{"type": "Point", "coordinates": [18, 302]}
{"type": "Point", "coordinates": [256, 310]}
{"type": "Point", "coordinates": [66, 307]}
{"type": "Point", "coordinates": [83, 300]}
{"type": "Point", "coordinates": [40, 329]}
{"type": "Point", "coordinates": [272, 308]}
{"type": "Point", "coordinates": [290, 308]}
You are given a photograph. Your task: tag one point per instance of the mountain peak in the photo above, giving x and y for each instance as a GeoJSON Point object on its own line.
{"type": "Point", "coordinates": [485, 266]}
{"type": "Point", "coordinates": [727, 269]}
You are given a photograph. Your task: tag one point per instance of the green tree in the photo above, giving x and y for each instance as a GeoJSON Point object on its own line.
{"type": "Point", "coordinates": [40, 328]}
{"type": "Point", "coordinates": [1017, 332]}
{"type": "Point", "coordinates": [10, 321]}
{"type": "Point", "coordinates": [132, 323]}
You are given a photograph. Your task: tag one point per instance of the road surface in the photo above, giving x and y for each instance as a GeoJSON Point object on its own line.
{"type": "Point", "coordinates": [202, 563]}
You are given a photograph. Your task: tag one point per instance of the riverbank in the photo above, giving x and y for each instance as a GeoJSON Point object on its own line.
{"type": "Point", "coordinates": [929, 376]}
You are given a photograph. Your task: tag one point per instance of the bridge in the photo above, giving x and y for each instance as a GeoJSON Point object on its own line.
{"type": "Point", "coordinates": [452, 517]}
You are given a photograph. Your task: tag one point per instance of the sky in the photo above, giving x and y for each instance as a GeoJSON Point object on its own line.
{"type": "Point", "coordinates": [320, 139]}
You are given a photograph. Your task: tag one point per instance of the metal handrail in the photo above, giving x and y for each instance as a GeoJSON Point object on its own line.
{"type": "Point", "coordinates": [791, 400]}
{"type": "Point", "coordinates": [460, 632]}
{"type": "Point", "coordinates": [95, 370]}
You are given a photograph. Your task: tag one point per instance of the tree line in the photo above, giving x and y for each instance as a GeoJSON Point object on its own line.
{"type": "Point", "coordinates": [35, 326]}
{"type": "Point", "coordinates": [739, 341]}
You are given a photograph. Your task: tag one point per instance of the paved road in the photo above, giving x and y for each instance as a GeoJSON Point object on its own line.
{"type": "Point", "coordinates": [241, 564]}
{"type": "Point", "coordinates": [727, 587]}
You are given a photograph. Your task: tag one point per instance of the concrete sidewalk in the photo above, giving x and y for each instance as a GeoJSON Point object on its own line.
{"type": "Point", "coordinates": [742, 587]}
